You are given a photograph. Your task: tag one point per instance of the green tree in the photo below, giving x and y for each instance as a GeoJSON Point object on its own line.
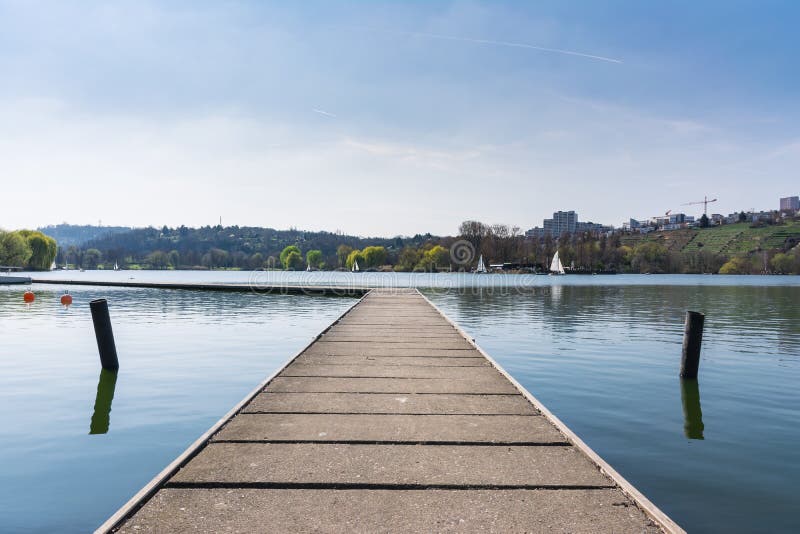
{"type": "Point", "coordinates": [433, 259]}
{"type": "Point", "coordinates": [92, 258]}
{"type": "Point", "coordinates": [257, 261]}
{"type": "Point", "coordinates": [784, 263]}
{"type": "Point", "coordinates": [374, 256]}
{"type": "Point", "coordinates": [648, 257]}
{"type": "Point", "coordinates": [704, 221]}
{"type": "Point", "coordinates": [43, 250]}
{"type": "Point", "coordinates": [157, 259]}
{"type": "Point", "coordinates": [14, 249]}
{"type": "Point", "coordinates": [353, 257]}
{"type": "Point", "coordinates": [215, 258]}
{"type": "Point", "coordinates": [408, 259]}
{"type": "Point", "coordinates": [742, 216]}
{"type": "Point", "coordinates": [314, 258]}
{"type": "Point", "coordinates": [342, 252]}
{"type": "Point", "coordinates": [738, 265]}
{"type": "Point", "coordinates": [174, 259]}
{"type": "Point", "coordinates": [294, 261]}
{"type": "Point", "coordinates": [285, 255]}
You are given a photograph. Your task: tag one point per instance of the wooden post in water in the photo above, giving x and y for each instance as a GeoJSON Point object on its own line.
{"type": "Point", "coordinates": [104, 334]}
{"type": "Point", "coordinates": [692, 340]}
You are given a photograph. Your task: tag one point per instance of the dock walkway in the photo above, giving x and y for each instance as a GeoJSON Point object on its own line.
{"type": "Point", "coordinates": [390, 421]}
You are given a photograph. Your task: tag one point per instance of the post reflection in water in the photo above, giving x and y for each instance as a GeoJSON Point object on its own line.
{"type": "Point", "coordinates": [692, 414]}
{"type": "Point", "coordinates": [101, 418]}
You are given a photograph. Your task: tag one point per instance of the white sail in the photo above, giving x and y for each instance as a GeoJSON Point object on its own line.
{"type": "Point", "coordinates": [308, 267]}
{"type": "Point", "coordinates": [555, 265]}
{"type": "Point", "coordinates": [355, 266]}
{"type": "Point", "coordinates": [481, 267]}
{"type": "Point", "coordinates": [116, 266]}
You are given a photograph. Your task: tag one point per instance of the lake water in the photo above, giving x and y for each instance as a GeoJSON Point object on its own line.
{"type": "Point", "coordinates": [602, 352]}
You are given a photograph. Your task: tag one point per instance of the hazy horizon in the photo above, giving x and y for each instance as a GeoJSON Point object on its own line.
{"type": "Point", "coordinates": [382, 119]}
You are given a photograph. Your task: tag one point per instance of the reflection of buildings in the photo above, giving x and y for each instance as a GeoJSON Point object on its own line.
{"type": "Point", "coordinates": [565, 222]}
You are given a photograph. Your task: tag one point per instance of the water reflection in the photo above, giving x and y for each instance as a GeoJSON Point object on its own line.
{"type": "Point", "coordinates": [101, 418]}
{"type": "Point", "coordinates": [692, 414]}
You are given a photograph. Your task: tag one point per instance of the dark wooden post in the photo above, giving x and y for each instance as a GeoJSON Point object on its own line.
{"type": "Point", "coordinates": [104, 334]}
{"type": "Point", "coordinates": [692, 340]}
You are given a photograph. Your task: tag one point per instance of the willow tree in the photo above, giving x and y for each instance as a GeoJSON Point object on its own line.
{"type": "Point", "coordinates": [314, 258]}
{"type": "Point", "coordinates": [285, 255]}
{"type": "Point", "coordinates": [14, 249]}
{"type": "Point", "coordinates": [43, 249]}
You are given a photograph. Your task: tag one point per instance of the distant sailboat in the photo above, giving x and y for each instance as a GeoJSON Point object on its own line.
{"type": "Point", "coordinates": [116, 266]}
{"type": "Point", "coordinates": [308, 267]}
{"type": "Point", "coordinates": [53, 267]}
{"type": "Point", "coordinates": [481, 268]}
{"type": "Point", "coordinates": [355, 268]}
{"type": "Point", "coordinates": [555, 265]}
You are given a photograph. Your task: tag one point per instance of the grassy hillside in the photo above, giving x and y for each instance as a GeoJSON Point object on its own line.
{"type": "Point", "coordinates": [729, 240]}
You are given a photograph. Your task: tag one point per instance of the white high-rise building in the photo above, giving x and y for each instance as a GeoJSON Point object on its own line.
{"type": "Point", "coordinates": [790, 204]}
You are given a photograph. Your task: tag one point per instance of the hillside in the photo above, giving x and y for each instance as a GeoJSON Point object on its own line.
{"type": "Point", "coordinates": [727, 240]}
{"type": "Point", "coordinates": [233, 246]}
{"type": "Point", "coordinates": [72, 234]}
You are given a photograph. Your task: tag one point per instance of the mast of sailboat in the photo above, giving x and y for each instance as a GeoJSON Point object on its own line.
{"type": "Point", "coordinates": [555, 265]}
{"type": "Point", "coordinates": [481, 267]}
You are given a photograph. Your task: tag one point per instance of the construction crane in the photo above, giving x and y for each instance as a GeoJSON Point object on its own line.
{"type": "Point", "coordinates": [705, 202]}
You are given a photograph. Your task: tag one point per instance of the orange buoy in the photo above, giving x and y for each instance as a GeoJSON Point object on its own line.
{"type": "Point", "coordinates": [29, 296]}
{"type": "Point", "coordinates": [66, 299]}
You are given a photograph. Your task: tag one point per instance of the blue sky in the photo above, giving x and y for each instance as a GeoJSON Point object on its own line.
{"type": "Point", "coordinates": [393, 118]}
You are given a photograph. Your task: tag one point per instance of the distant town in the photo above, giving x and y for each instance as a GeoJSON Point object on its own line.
{"type": "Point", "coordinates": [566, 222]}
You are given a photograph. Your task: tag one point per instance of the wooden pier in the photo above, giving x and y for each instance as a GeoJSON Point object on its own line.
{"type": "Point", "coordinates": [252, 287]}
{"type": "Point", "coordinates": [9, 280]}
{"type": "Point", "coordinates": [392, 420]}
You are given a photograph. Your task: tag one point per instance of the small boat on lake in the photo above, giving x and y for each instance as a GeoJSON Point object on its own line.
{"type": "Point", "coordinates": [556, 267]}
{"type": "Point", "coordinates": [481, 268]}
{"type": "Point", "coordinates": [355, 268]}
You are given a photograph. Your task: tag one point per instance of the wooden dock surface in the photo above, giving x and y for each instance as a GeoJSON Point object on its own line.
{"type": "Point", "coordinates": [391, 421]}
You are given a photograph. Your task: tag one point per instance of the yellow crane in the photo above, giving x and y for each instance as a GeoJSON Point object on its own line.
{"type": "Point", "coordinates": [705, 202]}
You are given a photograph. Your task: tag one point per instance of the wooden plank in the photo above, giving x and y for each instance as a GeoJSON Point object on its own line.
{"type": "Point", "coordinates": [409, 465]}
{"type": "Point", "coordinates": [386, 510]}
{"type": "Point", "coordinates": [390, 403]}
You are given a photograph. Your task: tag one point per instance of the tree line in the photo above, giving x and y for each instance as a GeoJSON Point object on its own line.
{"type": "Point", "coordinates": [264, 248]}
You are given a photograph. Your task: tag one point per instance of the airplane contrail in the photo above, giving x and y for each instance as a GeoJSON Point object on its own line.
{"type": "Point", "coordinates": [503, 43]}
{"type": "Point", "coordinates": [321, 112]}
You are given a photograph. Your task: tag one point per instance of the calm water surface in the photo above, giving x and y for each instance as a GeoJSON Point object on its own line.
{"type": "Point", "coordinates": [186, 358]}
{"type": "Point", "coordinates": [719, 455]}
{"type": "Point", "coordinates": [602, 352]}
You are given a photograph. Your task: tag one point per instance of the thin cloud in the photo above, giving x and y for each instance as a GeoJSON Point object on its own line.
{"type": "Point", "coordinates": [510, 44]}
{"type": "Point", "coordinates": [322, 112]}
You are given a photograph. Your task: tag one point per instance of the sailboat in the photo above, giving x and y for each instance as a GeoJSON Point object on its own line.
{"type": "Point", "coordinates": [481, 268]}
{"type": "Point", "coordinates": [308, 267]}
{"type": "Point", "coordinates": [355, 268]}
{"type": "Point", "coordinates": [116, 266]}
{"type": "Point", "coordinates": [555, 265]}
